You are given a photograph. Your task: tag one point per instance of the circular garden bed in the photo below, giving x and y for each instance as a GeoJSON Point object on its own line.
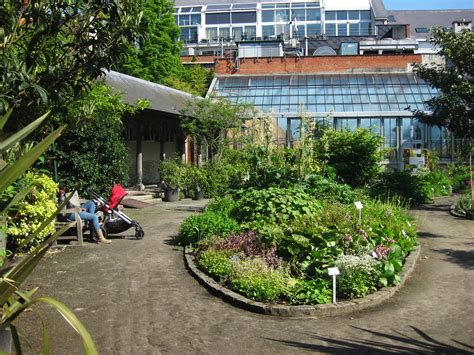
{"type": "Point", "coordinates": [269, 249]}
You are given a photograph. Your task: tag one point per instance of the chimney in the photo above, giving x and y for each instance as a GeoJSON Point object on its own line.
{"type": "Point", "coordinates": [458, 26]}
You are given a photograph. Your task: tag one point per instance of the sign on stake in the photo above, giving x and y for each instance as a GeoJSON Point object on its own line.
{"type": "Point", "coordinates": [333, 271]}
{"type": "Point", "coordinates": [359, 207]}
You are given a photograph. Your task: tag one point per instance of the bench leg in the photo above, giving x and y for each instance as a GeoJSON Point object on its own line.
{"type": "Point", "coordinates": [79, 231]}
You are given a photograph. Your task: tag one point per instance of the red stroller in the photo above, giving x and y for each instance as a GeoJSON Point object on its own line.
{"type": "Point", "coordinates": [114, 220]}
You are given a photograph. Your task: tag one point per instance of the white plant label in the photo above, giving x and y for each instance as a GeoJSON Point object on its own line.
{"type": "Point", "coordinates": [358, 205]}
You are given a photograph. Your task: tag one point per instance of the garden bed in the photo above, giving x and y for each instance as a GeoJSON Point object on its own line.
{"type": "Point", "coordinates": [282, 310]}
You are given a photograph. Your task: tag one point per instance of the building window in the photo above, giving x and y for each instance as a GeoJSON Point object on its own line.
{"type": "Point", "coordinates": [268, 32]}
{"type": "Point", "coordinates": [244, 17]}
{"type": "Point", "coordinates": [421, 30]}
{"type": "Point", "coordinates": [330, 29]}
{"type": "Point", "coordinates": [330, 15]}
{"type": "Point", "coordinates": [313, 30]}
{"type": "Point", "coordinates": [342, 29]}
{"type": "Point", "coordinates": [218, 18]}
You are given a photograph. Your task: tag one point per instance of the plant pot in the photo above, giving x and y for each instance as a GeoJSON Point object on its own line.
{"type": "Point", "coordinates": [171, 195]}
{"type": "Point", "coordinates": [198, 196]}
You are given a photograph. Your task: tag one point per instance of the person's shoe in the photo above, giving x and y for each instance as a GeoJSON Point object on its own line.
{"type": "Point", "coordinates": [101, 238]}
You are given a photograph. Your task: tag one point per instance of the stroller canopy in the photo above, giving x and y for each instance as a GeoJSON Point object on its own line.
{"type": "Point", "coordinates": [117, 194]}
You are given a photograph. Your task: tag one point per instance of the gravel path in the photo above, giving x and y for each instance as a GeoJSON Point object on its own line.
{"type": "Point", "coordinates": [136, 297]}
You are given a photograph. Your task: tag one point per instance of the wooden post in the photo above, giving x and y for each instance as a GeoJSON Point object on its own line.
{"type": "Point", "coordinates": [139, 157]}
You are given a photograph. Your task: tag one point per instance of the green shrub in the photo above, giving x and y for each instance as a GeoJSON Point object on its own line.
{"type": "Point", "coordinates": [174, 174]}
{"type": "Point", "coordinates": [91, 153]}
{"type": "Point", "coordinates": [217, 263]}
{"type": "Point", "coordinates": [325, 189]}
{"type": "Point", "coordinates": [440, 184]}
{"type": "Point", "coordinates": [464, 203]}
{"type": "Point", "coordinates": [205, 225]}
{"type": "Point", "coordinates": [356, 156]}
{"type": "Point", "coordinates": [312, 291]}
{"type": "Point", "coordinates": [222, 176]}
{"type": "Point", "coordinates": [460, 177]}
{"type": "Point", "coordinates": [404, 184]}
{"type": "Point", "coordinates": [415, 188]}
{"type": "Point", "coordinates": [32, 211]}
{"type": "Point", "coordinates": [359, 275]}
{"type": "Point", "coordinates": [224, 205]}
{"type": "Point", "coordinates": [279, 205]}
{"type": "Point", "coordinates": [257, 281]}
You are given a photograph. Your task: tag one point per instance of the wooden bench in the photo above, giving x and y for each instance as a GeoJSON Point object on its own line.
{"type": "Point", "coordinates": [78, 223]}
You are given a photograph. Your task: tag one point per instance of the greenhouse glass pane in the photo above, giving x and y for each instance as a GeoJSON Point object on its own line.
{"type": "Point", "coordinates": [294, 100]}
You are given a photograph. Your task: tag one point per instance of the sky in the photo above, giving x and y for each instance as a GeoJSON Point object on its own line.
{"type": "Point", "coordinates": [428, 4]}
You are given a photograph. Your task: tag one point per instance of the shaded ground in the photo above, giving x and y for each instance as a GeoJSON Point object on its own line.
{"type": "Point", "coordinates": [135, 297]}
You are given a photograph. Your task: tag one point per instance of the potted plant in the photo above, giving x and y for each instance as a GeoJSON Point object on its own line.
{"type": "Point", "coordinates": [172, 174]}
{"type": "Point", "coordinates": [199, 180]}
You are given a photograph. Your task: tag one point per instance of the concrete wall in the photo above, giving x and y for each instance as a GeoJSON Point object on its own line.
{"type": "Point", "coordinates": [151, 159]}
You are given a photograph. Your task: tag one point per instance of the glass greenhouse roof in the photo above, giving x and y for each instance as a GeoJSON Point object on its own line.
{"type": "Point", "coordinates": [282, 94]}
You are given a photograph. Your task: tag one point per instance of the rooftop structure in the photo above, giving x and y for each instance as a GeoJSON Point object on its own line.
{"type": "Point", "coordinates": [341, 26]}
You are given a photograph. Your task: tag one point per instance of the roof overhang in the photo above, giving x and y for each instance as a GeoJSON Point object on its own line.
{"type": "Point", "coordinates": [161, 98]}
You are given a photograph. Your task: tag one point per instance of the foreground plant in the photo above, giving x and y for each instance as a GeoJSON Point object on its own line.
{"type": "Point", "coordinates": [14, 301]}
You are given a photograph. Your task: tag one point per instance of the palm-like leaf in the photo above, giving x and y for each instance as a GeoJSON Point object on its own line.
{"type": "Point", "coordinates": [12, 173]}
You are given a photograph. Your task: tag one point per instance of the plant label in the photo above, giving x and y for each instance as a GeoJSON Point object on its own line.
{"type": "Point", "coordinates": [332, 271]}
{"type": "Point", "coordinates": [358, 205]}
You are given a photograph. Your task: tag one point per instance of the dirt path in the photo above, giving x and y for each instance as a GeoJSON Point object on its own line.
{"type": "Point", "coordinates": [135, 297]}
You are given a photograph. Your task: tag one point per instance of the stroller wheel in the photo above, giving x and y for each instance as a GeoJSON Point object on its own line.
{"type": "Point", "coordinates": [139, 233]}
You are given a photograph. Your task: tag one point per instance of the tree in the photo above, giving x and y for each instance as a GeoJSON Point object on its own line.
{"type": "Point", "coordinates": [154, 55]}
{"type": "Point", "coordinates": [50, 51]}
{"type": "Point", "coordinates": [209, 120]}
{"type": "Point", "coordinates": [91, 153]}
{"type": "Point", "coordinates": [453, 107]}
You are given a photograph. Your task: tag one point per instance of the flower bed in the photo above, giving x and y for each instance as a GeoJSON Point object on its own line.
{"type": "Point", "coordinates": [275, 245]}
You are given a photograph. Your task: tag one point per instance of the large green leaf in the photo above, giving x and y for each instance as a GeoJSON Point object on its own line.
{"type": "Point", "coordinates": [67, 314]}
{"type": "Point", "coordinates": [21, 134]}
{"type": "Point", "coordinates": [15, 199]}
{"type": "Point", "coordinates": [10, 174]}
{"type": "Point", "coordinates": [15, 276]}
{"type": "Point", "coordinates": [4, 118]}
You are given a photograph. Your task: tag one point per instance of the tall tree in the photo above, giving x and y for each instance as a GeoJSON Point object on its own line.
{"type": "Point", "coordinates": [155, 54]}
{"type": "Point", "coordinates": [453, 107]}
{"type": "Point", "coordinates": [50, 51]}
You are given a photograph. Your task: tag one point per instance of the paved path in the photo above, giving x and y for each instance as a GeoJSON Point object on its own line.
{"type": "Point", "coordinates": [135, 297]}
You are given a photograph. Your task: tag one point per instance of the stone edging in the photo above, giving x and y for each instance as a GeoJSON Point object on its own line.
{"type": "Point", "coordinates": [339, 308]}
{"type": "Point", "coordinates": [453, 212]}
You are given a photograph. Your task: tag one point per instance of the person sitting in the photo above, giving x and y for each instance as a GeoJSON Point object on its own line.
{"type": "Point", "coordinates": [87, 212]}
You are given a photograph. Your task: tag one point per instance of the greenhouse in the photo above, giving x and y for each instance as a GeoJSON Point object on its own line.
{"type": "Point", "coordinates": [380, 101]}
